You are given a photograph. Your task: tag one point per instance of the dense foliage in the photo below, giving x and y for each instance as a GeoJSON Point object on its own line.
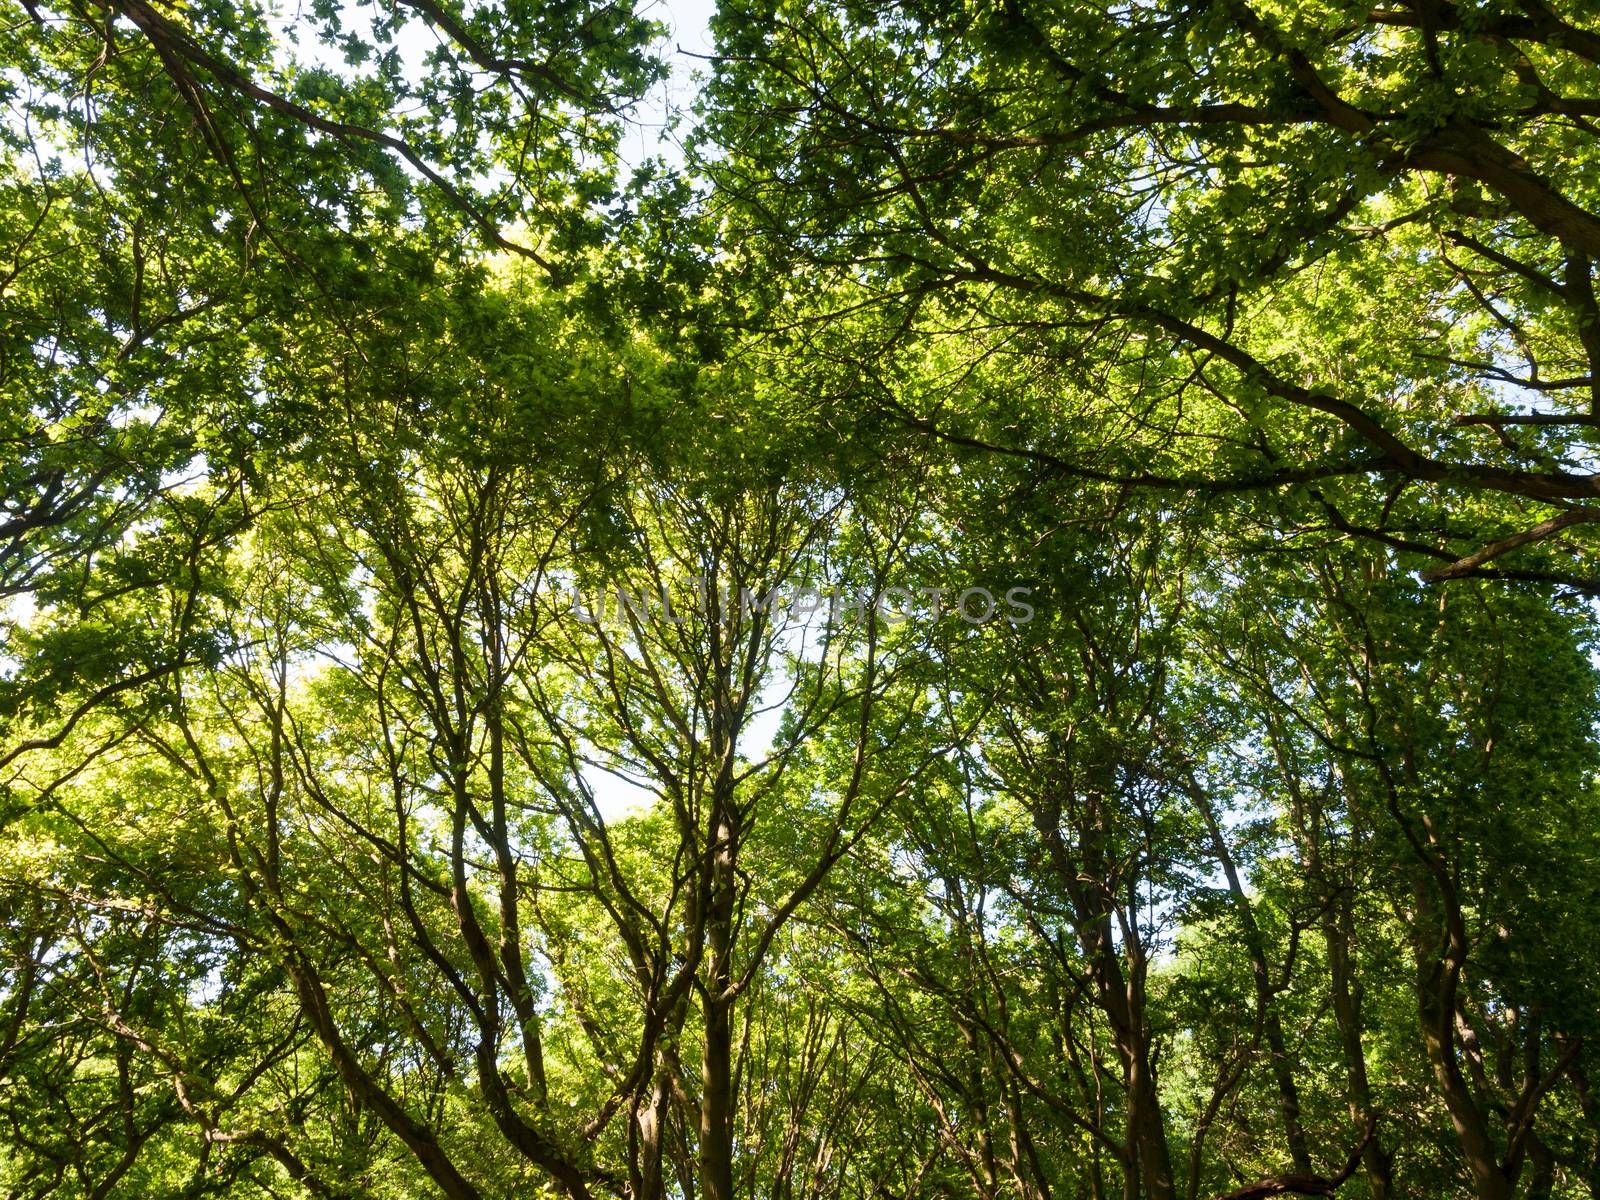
{"type": "Point", "coordinates": [1017, 625]}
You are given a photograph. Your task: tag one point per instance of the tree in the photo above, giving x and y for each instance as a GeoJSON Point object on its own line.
{"type": "Point", "coordinates": [997, 637]}
{"type": "Point", "coordinates": [1322, 250]}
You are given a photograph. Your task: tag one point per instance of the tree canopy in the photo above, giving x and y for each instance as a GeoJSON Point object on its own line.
{"type": "Point", "coordinates": [1014, 621]}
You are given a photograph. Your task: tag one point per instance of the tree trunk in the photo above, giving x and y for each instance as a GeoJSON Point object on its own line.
{"type": "Point", "coordinates": [1436, 1007]}
{"type": "Point", "coordinates": [716, 1081]}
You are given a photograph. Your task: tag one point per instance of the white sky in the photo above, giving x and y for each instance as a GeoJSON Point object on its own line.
{"type": "Point", "coordinates": [685, 47]}
{"type": "Point", "coordinates": [687, 43]}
